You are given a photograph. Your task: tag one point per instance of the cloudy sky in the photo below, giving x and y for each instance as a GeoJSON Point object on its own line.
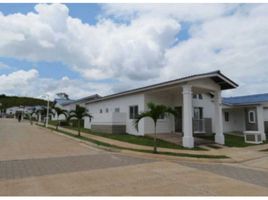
{"type": "Point", "coordinates": [83, 49]}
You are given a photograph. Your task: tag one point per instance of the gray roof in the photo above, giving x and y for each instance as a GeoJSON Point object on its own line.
{"type": "Point", "coordinates": [84, 99]}
{"type": "Point", "coordinates": [63, 101]}
{"type": "Point", "coordinates": [246, 100]}
{"type": "Point", "coordinates": [216, 76]}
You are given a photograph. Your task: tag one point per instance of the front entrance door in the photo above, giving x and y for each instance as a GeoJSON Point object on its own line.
{"type": "Point", "coordinates": [178, 120]}
{"type": "Point", "coordinates": [198, 121]}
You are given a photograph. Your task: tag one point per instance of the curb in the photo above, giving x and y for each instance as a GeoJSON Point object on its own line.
{"type": "Point", "coordinates": [146, 155]}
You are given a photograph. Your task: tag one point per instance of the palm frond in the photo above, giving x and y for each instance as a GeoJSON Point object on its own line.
{"type": "Point", "coordinates": [71, 116]}
{"type": "Point", "coordinates": [141, 116]}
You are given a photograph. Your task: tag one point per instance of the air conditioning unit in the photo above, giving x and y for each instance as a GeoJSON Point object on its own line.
{"type": "Point", "coordinates": [252, 137]}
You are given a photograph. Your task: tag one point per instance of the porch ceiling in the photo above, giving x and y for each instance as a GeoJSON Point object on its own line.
{"type": "Point", "coordinates": [175, 90]}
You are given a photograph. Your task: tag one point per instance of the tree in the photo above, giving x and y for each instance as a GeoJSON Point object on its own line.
{"type": "Point", "coordinates": [79, 113]}
{"type": "Point", "coordinates": [43, 113]}
{"type": "Point", "coordinates": [155, 112]}
{"type": "Point", "coordinates": [59, 112]}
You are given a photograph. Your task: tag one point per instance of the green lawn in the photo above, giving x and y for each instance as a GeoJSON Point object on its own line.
{"type": "Point", "coordinates": [144, 151]}
{"type": "Point", "coordinates": [141, 140]}
{"type": "Point", "coordinates": [230, 140]}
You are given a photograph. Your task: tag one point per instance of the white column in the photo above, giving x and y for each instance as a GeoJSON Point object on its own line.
{"type": "Point", "coordinates": [187, 140]}
{"type": "Point", "coordinates": [219, 137]}
{"type": "Point", "coordinates": [260, 121]}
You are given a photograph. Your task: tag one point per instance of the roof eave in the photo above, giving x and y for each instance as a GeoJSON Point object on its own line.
{"type": "Point", "coordinates": [170, 83]}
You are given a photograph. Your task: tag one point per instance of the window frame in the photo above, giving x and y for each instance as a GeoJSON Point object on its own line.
{"type": "Point", "coordinates": [117, 110]}
{"type": "Point", "coordinates": [200, 113]}
{"type": "Point", "coordinates": [131, 114]}
{"type": "Point", "coordinates": [226, 116]}
{"type": "Point", "coordinates": [249, 117]}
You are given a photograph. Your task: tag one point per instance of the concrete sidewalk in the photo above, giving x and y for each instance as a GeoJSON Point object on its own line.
{"type": "Point", "coordinates": [136, 146]}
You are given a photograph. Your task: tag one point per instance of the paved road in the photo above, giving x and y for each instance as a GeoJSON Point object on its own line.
{"type": "Point", "coordinates": [35, 161]}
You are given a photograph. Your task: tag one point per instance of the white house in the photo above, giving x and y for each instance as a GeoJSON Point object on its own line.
{"type": "Point", "coordinates": [12, 110]}
{"type": "Point", "coordinates": [246, 114]}
{"type": "Point", "coordinates": [196, 98]}
{"type": "Point", "coordinates": [68, 104]}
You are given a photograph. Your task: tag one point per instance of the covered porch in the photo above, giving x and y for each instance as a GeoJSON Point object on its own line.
{"type": "Point", "coordinates": [194, 115]}
{"type": "Point", "coordinates": [245, 119]}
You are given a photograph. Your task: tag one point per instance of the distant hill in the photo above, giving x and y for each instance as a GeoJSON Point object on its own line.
{"type": "Point", "coordinates": [10, 101]}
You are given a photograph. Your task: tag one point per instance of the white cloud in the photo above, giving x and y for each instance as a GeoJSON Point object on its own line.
{"type": "Point", "coordinates": [181, 12]}
{"type": "Point", "coordinates": [104, 50]}
{"type": "Point", "coordinates": [235, 44]}
{"type": "Point", "coordinates": [3, 65]}
{"type": "Point", "coordinates": [29, 83]}
{"type": "Point", "coordinates": [145, 49]}
{"type": "Point", "coordinates": [18, 79]}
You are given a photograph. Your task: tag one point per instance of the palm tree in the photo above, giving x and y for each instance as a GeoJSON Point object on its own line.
{"type": "Point", "coordinates": [43, 112]}
{"type": "Point", "coordinates": [78, 114]}
{"type": "Point", "coordinates": [59, 112]}
{"type": "Point", "coordinates": [155, 112]}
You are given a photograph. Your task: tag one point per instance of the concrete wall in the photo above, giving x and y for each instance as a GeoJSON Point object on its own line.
{"type": "Point", "coordinates": [114, 129]}
{"type": "Point", "coordinates": [123, 104]}
{"type": "Point", "coordinates": [207, 103]}
{"type": "Point", "coordinates": [251, 126]}
{"type": "Point", "coordinates": [265, 113]}
{"type": "Point", "coordinates": [236, 121]}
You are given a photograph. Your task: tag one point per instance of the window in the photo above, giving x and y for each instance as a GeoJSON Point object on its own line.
{"type": "Point", "coordinates": [117, 110]}
{"type": "Point", "coordinates": [226, 116]}
{"type": "Point", "coordinates": [251, 117]}
{"type": "Point", "coordinates": [198, 113]}
{"type": "Point", "coordinates": [107, 110]}
{"type": "Point", "coordinates": [100, 110]}
{"type": "Point", "coordinates": [197, 96]}
{"type": "Point", "coordinates": [133, 112]}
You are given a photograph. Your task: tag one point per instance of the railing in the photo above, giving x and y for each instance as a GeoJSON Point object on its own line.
{"type": "Point", "coordinates": [199, 125]}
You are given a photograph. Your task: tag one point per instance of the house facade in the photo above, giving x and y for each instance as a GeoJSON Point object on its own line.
{"type": "Point", "coordinates": [197, 100]}
{"type": "Point", "coordinates": [246, 114]}
{"type": "Point", "coordinates": [68, 104]}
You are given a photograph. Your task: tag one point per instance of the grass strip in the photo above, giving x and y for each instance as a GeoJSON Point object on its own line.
{"type": "Point", "coordinates": [139, 140]}
{"type": "Point", "coordinates": [139, 150]}
{"type": "Point", "coordinates": [230, 140]}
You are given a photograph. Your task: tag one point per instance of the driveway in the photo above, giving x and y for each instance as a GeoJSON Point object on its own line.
{"type": "Point", "coordinates": [36, 161]}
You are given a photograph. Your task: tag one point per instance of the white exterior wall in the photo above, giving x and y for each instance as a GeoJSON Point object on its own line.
{"type": "Point", "coordinates": [165, 125]}
{"type": "Point", "coordinates": [12, 110]}
{"type": "Point", "coordinates": [113, 118]}
{"type": "Point", "coordinates": [208, 105]}
{"type": "Point", "coordinates": [265, 114]}
{"type": "Point", "coordinates": [236, 121]}
{"type": "Point", "coordinates": [123, 104]}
